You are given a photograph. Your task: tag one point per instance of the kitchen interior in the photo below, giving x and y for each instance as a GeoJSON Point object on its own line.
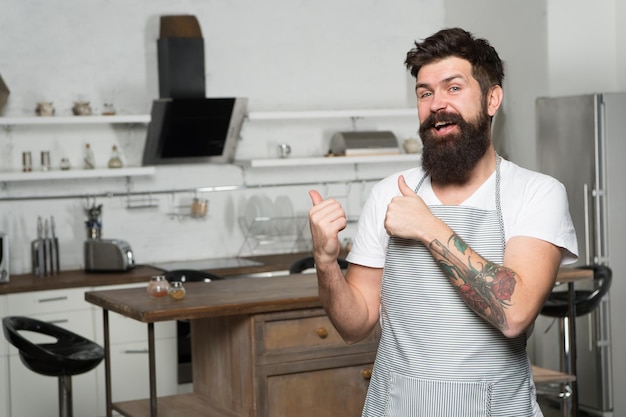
{"type": "Point", "coordinates": [88, 202]}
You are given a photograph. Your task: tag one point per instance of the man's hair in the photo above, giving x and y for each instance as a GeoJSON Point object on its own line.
{"type": "Point", "coordinates": [486, 64]}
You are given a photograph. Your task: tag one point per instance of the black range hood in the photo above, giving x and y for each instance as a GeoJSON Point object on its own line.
{"type": "Point", "coordinates": [194, 130]}
{"type": "Point", "coordinates": [186, 126]}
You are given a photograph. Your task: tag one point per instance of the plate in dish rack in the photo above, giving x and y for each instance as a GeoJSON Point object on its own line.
{"type": "Point", "coordinates": [285, 221]}
{"type": "Point", "coordinates": [259, 213]}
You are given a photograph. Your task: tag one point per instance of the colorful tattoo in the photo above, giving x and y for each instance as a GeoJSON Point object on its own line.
{"type": "Point", "coordinates": [487, 290]}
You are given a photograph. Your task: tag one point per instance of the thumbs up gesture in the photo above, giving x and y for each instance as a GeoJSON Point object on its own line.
{"type": "Point", "coordinates": [407, 215]}
{"type": "Point", "coordinates": [326, 219]}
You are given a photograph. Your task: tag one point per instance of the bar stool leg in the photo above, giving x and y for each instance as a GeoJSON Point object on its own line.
{"type": "Point", "coordinates": [566, 392]}
{"type": "Point", "coordinates": [65, 396]}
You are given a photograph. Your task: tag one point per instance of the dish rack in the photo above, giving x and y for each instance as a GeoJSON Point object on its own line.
{"type": "Point", "coordinates": [271, 235]}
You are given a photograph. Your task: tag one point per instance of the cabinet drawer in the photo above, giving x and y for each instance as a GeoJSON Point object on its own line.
{"type": "Point", "coordinates": [300, 332]}
{"type": "Point", "coordinates": [338, 391]}
{"type": "Point", "coordinates": [41, 302]}
{"type": "Point", "coordinates": [304, 334]}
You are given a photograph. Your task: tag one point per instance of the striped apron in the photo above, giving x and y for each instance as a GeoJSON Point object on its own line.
{"type": "Point", "coordinates": [437, 358]}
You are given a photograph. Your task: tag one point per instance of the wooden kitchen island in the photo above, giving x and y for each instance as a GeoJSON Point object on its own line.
{"type": "Point", "coordinates": [261, 347]}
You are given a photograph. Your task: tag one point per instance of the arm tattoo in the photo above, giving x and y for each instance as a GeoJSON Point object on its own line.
{"type": "Point", "coordinates": [486, 289]}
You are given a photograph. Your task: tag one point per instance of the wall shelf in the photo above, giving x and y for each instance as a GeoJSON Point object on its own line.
{"type": "Point", "coordinates": [331, 114]}
{"type": "Point", "coordinates": [56, 120]}
{"type": "Point", "coordinates": [75, 173]}
{"type": "Point", "coordinates": [334, 160]}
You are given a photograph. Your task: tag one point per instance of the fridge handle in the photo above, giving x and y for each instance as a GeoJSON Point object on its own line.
{"type": "Point", "coordinates": [586, 206]}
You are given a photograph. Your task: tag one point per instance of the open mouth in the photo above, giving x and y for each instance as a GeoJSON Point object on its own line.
{"type": "Point", "coordinates": [441, 125]}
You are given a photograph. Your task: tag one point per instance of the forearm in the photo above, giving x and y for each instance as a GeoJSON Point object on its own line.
{"type": "Point", "coordinates": [344, 303]}
{"type": "Point", "coordinates": [486, 287]}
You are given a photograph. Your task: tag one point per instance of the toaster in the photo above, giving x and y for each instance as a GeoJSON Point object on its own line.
{"type": "Point", "coordinates": [112, 255]}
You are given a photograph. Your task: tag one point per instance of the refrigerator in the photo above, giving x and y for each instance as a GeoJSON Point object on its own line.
{"type": "Point", "coordinates": [581, 141]}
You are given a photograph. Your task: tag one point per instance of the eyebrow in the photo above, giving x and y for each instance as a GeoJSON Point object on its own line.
{"type": "Point", "coordinates": [444, 81]}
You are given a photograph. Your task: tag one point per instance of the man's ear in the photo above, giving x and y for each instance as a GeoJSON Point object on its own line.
{"type": "Point", "coordinates": [494, 99]}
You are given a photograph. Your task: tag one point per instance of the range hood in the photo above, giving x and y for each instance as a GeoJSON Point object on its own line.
{"type": "Point", "coordinates": [186, 126]}
{"type": "Point", "coordinates": [191, 130]}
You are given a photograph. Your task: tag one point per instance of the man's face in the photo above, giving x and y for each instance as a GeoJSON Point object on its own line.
{"type": "Point", "coordinates": [454, 120]}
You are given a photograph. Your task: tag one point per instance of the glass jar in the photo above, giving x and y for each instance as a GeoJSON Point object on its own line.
{"type": "Point", "coordinates": [158, 286]}
{"type": "Point", "coordinates": [115, 161]}
{"type": "Point", "coordinates": [177, 291]}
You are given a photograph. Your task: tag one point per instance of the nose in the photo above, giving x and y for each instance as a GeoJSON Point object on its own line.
{"type": "Point", "coordinates": [437, 102]}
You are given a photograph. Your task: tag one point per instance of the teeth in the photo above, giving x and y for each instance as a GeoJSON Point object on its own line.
{"type": "Point", "coordinates": [439, 124]}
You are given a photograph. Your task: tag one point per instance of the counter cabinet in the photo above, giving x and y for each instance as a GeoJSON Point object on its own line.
{"type": "Point", "coordinates": [281, 364]}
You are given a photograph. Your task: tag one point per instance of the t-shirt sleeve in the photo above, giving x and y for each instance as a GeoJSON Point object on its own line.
{"type": "Point", "coordinates": [544, 214]}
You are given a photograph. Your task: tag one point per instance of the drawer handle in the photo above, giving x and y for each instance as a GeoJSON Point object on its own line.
{"type": "Point", "coordinates": [322, 332]}
{"type": "Point", "coordinates": [46, 300]}
{"type": "Point", "coordinates": [133, 351]}
{"type": "Point", "coordinates": [366, 373]}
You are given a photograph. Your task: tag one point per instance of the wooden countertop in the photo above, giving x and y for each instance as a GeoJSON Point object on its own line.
{"type": "Point", "coordinates": [217, 298]}
{"type": "Point", "coordinates": [80, 278]}
{"type": "Point", "coordinates": [235, 296]}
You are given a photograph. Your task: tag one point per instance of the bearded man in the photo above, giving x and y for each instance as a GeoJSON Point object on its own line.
{"type": "Point", "coordinates": [454, 258]}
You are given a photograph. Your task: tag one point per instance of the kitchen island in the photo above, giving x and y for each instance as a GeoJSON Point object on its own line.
{"type": "Point", "coordinates": [261, 347]}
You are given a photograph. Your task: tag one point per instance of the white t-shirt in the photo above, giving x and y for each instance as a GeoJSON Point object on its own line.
{"type": "Point", "coordinates": [533, 205]}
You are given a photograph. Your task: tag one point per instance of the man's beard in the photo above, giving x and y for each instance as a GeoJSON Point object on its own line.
{"type": "Point", "coordinates": [449, 159]}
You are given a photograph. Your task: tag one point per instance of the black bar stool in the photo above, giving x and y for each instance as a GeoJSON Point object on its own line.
{"type": "Point", "coordinates": [69, 355]}
{"type": "Point", "coordinates": [585, 302]}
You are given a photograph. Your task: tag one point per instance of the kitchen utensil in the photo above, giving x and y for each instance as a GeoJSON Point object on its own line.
{"type": "Point", "coordinates": [412, 145]}
{"type": "Point", "coordinates": [54, 248]}
{"type": "Point", "coordinates": [44, 108]}
{"type": "Point", "coordinates": [46, 249]}
{"type": "Point", "coordinates": [81, 108]}
{"type": "Point", "coordinates": [199, 207]}
{"type": "Point", "coordinates": [4, 258]}
{"type": "Point", "coordinates": [37, 251]}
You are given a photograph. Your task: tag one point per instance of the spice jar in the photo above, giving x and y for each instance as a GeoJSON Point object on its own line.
{"type": "Point", "coordinates": [158, 286]}
{"type": "Point", "coordinates": [177, 291]}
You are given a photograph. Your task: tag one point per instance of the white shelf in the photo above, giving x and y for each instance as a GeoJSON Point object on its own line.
{"type": "Point", "coordinates": [75, 173]}
{"type": "Point", "coordinates": [54, 120]}
{"type": "Point", "coordinates": [331, 114]}
{"type": "Point", "coordinates": [334, 160]}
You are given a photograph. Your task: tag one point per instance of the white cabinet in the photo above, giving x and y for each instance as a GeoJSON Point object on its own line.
{"type": "Point", "coordinates": [129, 356]}
{"type": "Point", "coordinates": [65, 308]}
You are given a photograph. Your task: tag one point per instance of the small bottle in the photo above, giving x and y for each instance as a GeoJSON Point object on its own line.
{"type": "Point", "coordinates": [158, 286]}
{"type": "Point", "coordinates": [45, 160]}
{"type": "Point", "coordinates": [89, 160]}
{"type": "Point", "coordinates": [115, 161]}
{"type": "Point", "coordinates": [177, 291]}
{"type": "Point", "coordinates": [27, 161]}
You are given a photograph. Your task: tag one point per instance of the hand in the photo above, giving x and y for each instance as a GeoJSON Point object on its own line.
{"type": "Point", "coordinates": [407, 214]}
{"type": "Point", "coordinates": [326, 219]}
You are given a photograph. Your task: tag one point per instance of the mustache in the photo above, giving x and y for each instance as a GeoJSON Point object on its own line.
{"type": "Point", "coordinates": [438, 117]}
